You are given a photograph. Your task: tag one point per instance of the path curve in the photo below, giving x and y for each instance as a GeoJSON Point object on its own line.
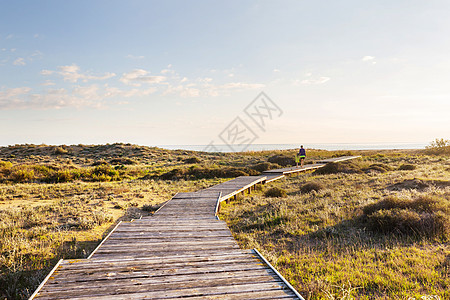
{"type": "Point", "coordinates": [182, 251]}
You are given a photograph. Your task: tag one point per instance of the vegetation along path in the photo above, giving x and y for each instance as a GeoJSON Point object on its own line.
{"type": "Point", "coordinates": [183, 250]}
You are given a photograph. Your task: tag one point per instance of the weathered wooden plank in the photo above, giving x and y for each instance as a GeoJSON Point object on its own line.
{"type": "Point", "coordinates": [165, 259]}
{"type": "Point", "coordinates": [179, 242]}
{"type": "Point", "coordinates": [163, 239]}
{"type": "Point", "coordinates": [150, 234]}
{"type": "Point", "coordinates": [167, 246]}
{"type": "Point", "coordinates": [167, 282]}
{"type": "Point", "coordinates": [151, 265]}
{"type": "Point", "coordinates": [208, 291]}
{"type": "Point", "coordinates": [264, 295]}
{"type": "Point", "coordinates": [205, 291]}
{"type": "Point", "coordinates": [90, 275]}
{"type": "Point", "coordinates": [138, 287]}
{"type": "Point", "coordinates": [185, 226]}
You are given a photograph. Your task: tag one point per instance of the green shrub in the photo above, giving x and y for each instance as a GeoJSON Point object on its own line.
{"type": "Point", "coordinates": [5, 164]}
{"type": "Point", "coordinates": [339, 167]}
{"type": "Point", "coordinates": [5, 169]}
{"type": "Point", "coordinates": [422, 216]}
{"type": "Point", "coordinates": [61, 150]}
{"type": "Point", "coordinates": [122, 161]}
{"type": "Point", "coordinates": [382, 168]}
{"type": "Point", "coordinates": [407, 167]}
{"type": "Point", "coordinates": [150, 207]}
{"type": "Point", "coordinates": [439, 146]}
{"type": "Point", "coordinates": [192, 160]}
{"type": "Point", "coordinates": [264, 166]}
{"type": "Point", "coordinates": [207, 173]}
{"type": "Point", "coordinates": [173, 174]}
{"type": "Point", "coordinates": [105, 170]}
{"type": "Point", "coordinates": [311, 186]}
{"type": "Point", "coordinates": [282, 160]}
{"type": "Point", "coordinates": [22, 174]}
{"type": "Point", "coordinates": [99, 163]}
{"type": "Point", "coordinates": [410, 184]}
{"type": "Point", "coordinates": [275, 192]}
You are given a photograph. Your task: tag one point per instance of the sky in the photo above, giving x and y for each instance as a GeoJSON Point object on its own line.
{"type": "Point", "coordinates": [213, 72]}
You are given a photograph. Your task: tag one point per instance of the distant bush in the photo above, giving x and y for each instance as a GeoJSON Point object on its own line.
{"type": "Point", "coordinates": [409, 184]}
{"type": "Point", "coordinates": [22, 174]}
{"type": "Point", "coordinates": [99, 163]}
{"type": "Point", "coordinates": [407, 167]}
{"type": "Point", "coordinates": [275, 192]}
{"type": "Point", "coordinates": [122, 161]}
{"type": "Point", "coordinates": [439, 146]}
{"type": "Point", "coordinates": [282, 160]}
{"type": "Point", "coordinates": [311, 186]}
{"type": "Point", "coordinates": [339, 167]}
{"type": "Point", "coordinates": [192, 160]}
{"type": "Point", "coordinates": [422, 216]}
{"type": "Point", "coordinates": [5, 169]}
{"type": "Point", "coordinates": [5, 164]}
{"type": "Point", "coordinates": [382, 168]}
{"type": "Point", "coordinates": [150, 207]}
{"type": "Point", "coordinates": [201, 173]}
{"type": "Point", "coordinates": [264, 166]}
{"type": "Point", "coordinates": [61, 150]}
{"type": "Point", "coordinates": [105, 173]}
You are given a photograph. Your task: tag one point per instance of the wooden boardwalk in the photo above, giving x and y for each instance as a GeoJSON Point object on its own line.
{"type": "Point", "coordinates": [318, 164]}
{"type": "Point", "coordinates": [182, 251]}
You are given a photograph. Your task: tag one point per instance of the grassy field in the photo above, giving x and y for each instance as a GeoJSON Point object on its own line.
{"type": "Point", "coordinates": [374, 228]}
{"type": "Point", "coordinates": [322, 234]}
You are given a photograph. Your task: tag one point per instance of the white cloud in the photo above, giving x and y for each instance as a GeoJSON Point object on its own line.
{"type": "Point", "coordinates": [87, 92]}
{"type": "Point", "coordinates": [242, 85]}
{"type": "Point", "coordinates": [46, 72]}
{"type": "Point", "coordinates": [130, 56]}
{"type": "Point", "coordinates": [72, 74]}
{"type": "Point", "coordinates": [22, 98]}
{"type": "Point", "coordinates": [320, 80]}
{"type": "Point", "coordinates": [190, 92]}
{"type": "Point", "coordinates": [116, 92]}
{"type": "Point", "coordinates": [37, 54]}
{"type": "Point", "coordinates": [205, 80]}
{"type": "Point", "coordinates": [48, 83]}
{"type": "Point", "coordinates": [184, 79]}
{"type": "Point", "coordinates": [14, 92]}
{"type": "Point", "coordinates": [167, 71]}
{"type": "Point", "coordinates": [368, 58]}
{"type": "Point", "coordinates": [183, 91]}
{"type": "Point", "coordinates": [137, 76]}
{"type": "Point", "coordinates": [20, 61]}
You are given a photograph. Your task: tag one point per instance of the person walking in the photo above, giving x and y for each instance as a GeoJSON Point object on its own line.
{"type": "Point", "coordinates": [302, 155]}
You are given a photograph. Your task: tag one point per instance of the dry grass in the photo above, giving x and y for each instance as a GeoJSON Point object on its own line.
{"type": "Point", "coordinates": [328, 242]}
{"type": "Point", "coordinates": [58, 202]}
